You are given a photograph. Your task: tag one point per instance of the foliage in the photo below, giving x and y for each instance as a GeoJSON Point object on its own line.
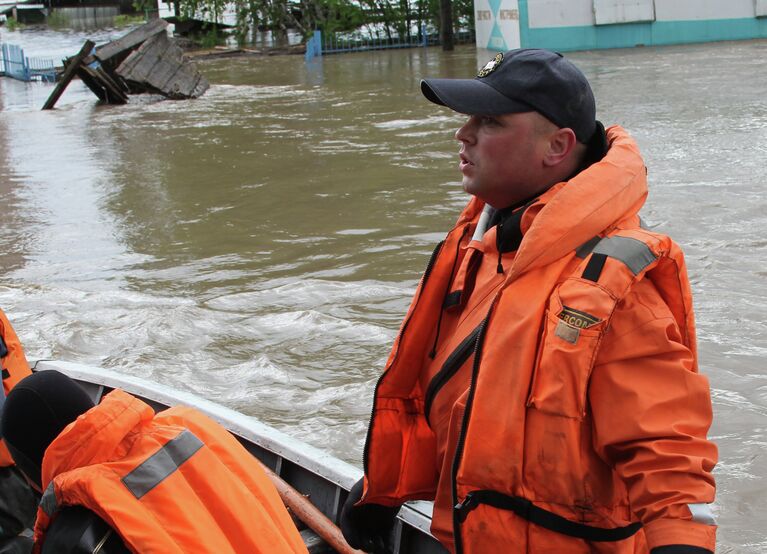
{"type": "Point", "coordinates": [125, 20]}
{"type": "Point", "coordinates": [209, 39]}
{"type": "Point", "coordinates": [140, 5]}
{"type": "Point", "coordinates": [384, 18]}
{"type": "Point", "coordinates": [57, 20]}
{"type": "Point", "coordinates": [463, 14]}
{"type": "Point", "coordinates": [206, 9]}
{"type": "Point", "coordinates": [331, 16]}
{"type": "Point", "coordinates": [12, 24]}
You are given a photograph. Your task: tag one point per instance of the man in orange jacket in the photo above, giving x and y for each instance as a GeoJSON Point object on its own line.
{"type": "Point", "coordinates": [544, 388]}
{"type": "Point", "coordinates": [119, 478]}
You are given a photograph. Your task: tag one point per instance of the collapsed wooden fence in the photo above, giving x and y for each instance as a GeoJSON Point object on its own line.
{"type": "Point", "coordinates": [144, 60]}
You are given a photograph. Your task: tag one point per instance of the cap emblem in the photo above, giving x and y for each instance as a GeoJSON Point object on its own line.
{"type": "Point", "coordinates": [491, 66]}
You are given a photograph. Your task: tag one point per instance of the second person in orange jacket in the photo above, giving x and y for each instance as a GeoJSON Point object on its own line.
{"type": "Point", "coordinates": [172, 482]}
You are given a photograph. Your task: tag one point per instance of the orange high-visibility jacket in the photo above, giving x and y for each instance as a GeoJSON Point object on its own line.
{"type": "Point", "coordinates": [15, 368]}
{"type": "Point", "coordinates": [175, 482]}
{"type": "Point", "coordinates": [578, 421]}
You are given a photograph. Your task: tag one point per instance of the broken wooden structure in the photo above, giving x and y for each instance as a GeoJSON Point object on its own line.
{"type": "Point", "coordinates": [144, 60]}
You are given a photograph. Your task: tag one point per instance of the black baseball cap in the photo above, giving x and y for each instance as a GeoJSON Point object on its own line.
{"type": "Point", "coordinates": [523, 80]}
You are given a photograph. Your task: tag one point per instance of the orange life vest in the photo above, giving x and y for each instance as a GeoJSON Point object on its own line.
{"type": "Point", "coordinates": [15, 368]}
{"type": "Point", "coordinates": [515, 468]}
{"type": "Point", "coordinates": [174, 482]}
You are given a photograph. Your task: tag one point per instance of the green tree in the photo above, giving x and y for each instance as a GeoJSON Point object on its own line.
{"type": "Point", "coordinates": [390, 18]}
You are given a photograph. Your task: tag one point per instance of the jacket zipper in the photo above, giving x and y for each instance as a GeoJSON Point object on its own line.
{"type": "Point", "coordinates": [449, 368]}
{"type": "Point", "coordinates": [433, 351]}
{"type": "Point", "coordinates": [464, 424]}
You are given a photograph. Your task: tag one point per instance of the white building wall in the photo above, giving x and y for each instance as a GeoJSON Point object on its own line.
{"type": "Point", "coordinates": [575, 13]}
{"type": "Point", "coordinates": [607, 12]}
{"type": "Point", "coordinates": [560, 13]}
{"type": "Point", "coordinates": [691, 10]}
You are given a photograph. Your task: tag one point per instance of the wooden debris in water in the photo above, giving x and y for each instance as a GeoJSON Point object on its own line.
{"type": "Point", "coordinates": [69, 73]}
{"type": "Point", "coordinates": [160, 65]}
{"type": "Point", "coordinates": [143, 60]}
{"type": "Point", "coordinates": [102, 84]}
{"type": "Point", "coordinates": [117, 50]}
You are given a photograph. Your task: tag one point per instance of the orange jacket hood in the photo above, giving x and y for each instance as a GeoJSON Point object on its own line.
{"type": "Point", "coordinates": [100, 434]}
{"type": "Point", "coordinates": [596, 199]}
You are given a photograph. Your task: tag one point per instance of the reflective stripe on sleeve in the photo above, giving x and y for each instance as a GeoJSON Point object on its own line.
{"type": "Point", "coordinates": [701, 513]}
{"type": "Point", "coordinates": [632, 252]}
{"type": "Point", "coordinates": [155, 469]}
{"type": "Point", "coordinates": [48, 502]}
{"type": "Point", "coordinates": [585, 249]}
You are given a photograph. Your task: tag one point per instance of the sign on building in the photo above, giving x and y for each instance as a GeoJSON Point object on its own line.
{"type": "Point", "coordinates": [497, 24]}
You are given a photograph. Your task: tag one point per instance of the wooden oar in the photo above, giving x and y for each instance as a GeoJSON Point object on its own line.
{"type": "Point", "coordinates": [310, 515]}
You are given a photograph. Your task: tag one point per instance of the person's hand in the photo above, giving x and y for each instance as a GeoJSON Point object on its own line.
{"type": "Point", "coordinates": [366, 527]}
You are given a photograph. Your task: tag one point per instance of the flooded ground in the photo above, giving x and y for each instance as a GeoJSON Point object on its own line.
{"type": "Point", "coordinates": [260, 245]}
{"type": "Point", "coordinates": [43, 42]}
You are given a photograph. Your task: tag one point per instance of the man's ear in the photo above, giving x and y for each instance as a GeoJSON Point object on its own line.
{"type": "Point", "coordinates": [561, 143]}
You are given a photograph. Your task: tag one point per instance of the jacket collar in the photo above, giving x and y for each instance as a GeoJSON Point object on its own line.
{"type": "Point", "coordinates": [591, 203]}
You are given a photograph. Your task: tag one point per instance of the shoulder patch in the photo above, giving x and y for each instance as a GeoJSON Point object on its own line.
{"type": "Point", "coordinates": [576, 318]}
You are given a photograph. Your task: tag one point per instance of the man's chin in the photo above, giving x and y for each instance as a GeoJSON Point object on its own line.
{"type": "Point", "coordinates": [472, 189]}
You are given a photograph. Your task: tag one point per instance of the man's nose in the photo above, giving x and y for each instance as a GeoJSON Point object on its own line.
{"type": "Point", "coordinates": [465, 132]}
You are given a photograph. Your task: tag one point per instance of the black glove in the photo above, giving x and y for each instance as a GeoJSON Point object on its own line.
{"type": "Point", "coordinates": [679, 549]}
{"type": "Point", "coordinates": [366, 527]}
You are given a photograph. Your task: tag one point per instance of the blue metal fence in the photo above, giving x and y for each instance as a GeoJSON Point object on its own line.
{"type": "Point", "coordinates": [335, 44]}
{"type": "Point", "coordinates": [320, 44]}
{"type": "Point", "coordinates": [14, 63]}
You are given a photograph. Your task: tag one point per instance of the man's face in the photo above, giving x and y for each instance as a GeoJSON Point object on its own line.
{"type": "Point", "coordinates": [501, 157]}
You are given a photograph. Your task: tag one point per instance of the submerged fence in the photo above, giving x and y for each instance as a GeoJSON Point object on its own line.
{"type": "Point", "coordinates": [320, 44]}
{"type": "Point", "coordinates": [13, 63]}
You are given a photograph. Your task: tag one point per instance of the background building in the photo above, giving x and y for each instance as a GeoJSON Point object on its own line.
{"type": "Point", "coordinates": [591, 24]}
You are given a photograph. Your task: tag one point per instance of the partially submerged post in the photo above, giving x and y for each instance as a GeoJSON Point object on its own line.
{"type": "Point", "coordinates": [69, 72]}
{"type": "Point", "coordinates": [144, 60]}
